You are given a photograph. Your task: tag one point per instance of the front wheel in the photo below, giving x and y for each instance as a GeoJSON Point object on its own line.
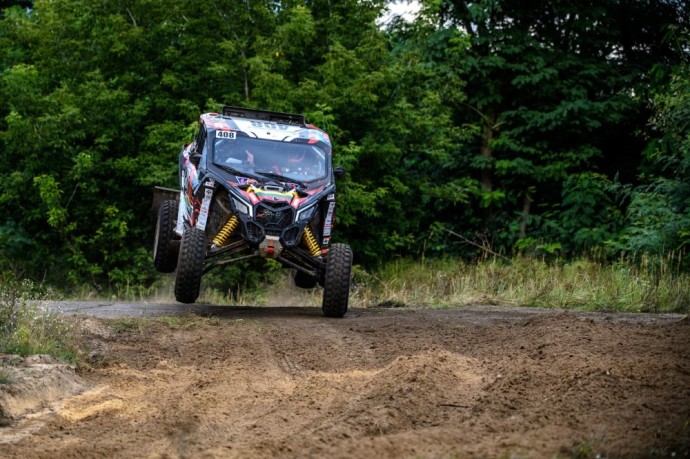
{"type": "Point", "coordinates": [190, 265]}
{"type": "Point", "coordinates": [336, 284]}
{"type": "Point", "coordinates": [166, 247]}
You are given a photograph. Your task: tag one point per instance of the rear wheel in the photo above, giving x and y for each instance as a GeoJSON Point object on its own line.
{"type": "Point", "coordinates": [303, 280]}
{"type": "Point", "coordinates": [166, 246]}
{"type": "Point", "coordinates": [190, 265]}
{"type": "Point", "coordinates": [336, 284]}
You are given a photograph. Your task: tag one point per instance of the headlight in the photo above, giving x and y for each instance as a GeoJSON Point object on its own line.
{"type": "Point", "coordinates": [306, 213]}
{"type": "Point", "coordinates": [241, 207]}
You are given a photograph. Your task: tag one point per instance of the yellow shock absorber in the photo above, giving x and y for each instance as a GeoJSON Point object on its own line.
{"type": "Point", "coordinates": [310, 241]}
{"type": "Point", "coordinates": [223, 235]}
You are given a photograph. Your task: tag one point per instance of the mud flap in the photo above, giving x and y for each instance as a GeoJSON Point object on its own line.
{"type": "Point", "coordinates": [161, 194]}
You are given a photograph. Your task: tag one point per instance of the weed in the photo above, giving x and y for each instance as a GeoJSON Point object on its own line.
{"type": "Point", "coordinates": [128, 324]}
{"type": "Point", "coordinates": [27, 327]}
{"type": "Point", "coordinates": [5, 377]}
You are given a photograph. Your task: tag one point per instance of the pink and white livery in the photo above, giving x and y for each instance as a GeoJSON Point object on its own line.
{"type": "Point", "coordinates": [254, 183]}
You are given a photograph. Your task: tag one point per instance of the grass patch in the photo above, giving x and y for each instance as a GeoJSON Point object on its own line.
{"type": "Point", "coordinates": [641, 285]}
{"type": "Point", "coordinates": [27, 328]}
{"type": "Point", "coordinates": [580, 285]}
{"type": "Point", "coordinates": [5, 377]}
{"type": "Point", "coordinates": [127, 324]}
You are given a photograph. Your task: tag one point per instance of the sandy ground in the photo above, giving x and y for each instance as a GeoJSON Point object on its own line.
{"type": "Point", "coordinates": [381, 383]}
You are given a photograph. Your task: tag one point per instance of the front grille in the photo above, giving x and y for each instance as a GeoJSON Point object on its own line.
{"type": "Point", "coordinates": [291, 236]}
{"type": "Point", "coordinates": [274, 218]}
{"type": "Point", "coordinates": [254, 232]}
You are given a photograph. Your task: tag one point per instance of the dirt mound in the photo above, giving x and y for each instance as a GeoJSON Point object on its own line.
{"type": "Point", "coordinates": [33, 383]}
{"type": "Point", "coordinates": [286, 382]}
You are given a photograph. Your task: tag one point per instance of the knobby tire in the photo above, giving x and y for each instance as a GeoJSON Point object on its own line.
{"type": "Point", "coordinates": [336, 286]}
{"type": "Point", "coordinates": [165, 248]}
{"type": "Point", "coordinates": [190, 265]}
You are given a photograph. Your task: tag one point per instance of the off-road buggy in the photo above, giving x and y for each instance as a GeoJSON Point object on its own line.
{"type": "Point", "coordinates": [254, 183]}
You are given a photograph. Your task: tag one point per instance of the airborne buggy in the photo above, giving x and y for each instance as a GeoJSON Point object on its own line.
{"type": "Point", "coordinates": [254, 183]}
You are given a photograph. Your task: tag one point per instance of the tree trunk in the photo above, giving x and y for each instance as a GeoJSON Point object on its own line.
{"type": "Point", "coordinates": [526, 205]}
{"type": "Point", "coordinates": [246, 84]}
{"type": "Point", "coordinates": [486, 152]}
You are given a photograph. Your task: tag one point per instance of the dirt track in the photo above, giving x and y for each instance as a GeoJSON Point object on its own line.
{"type": "Point", "coordinates": [286, 382]}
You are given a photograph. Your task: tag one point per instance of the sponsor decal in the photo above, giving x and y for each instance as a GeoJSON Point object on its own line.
{"type": "Point", "coordinates": [182, 212]}
{"type": "Point", "coordinates": [203, 213]}
{"type": "Point", "coordinates": [189, 175]}
{"type": "Point", "coordinates": [269, 125]}
{"type": "Point", "coordinates": [245, 181]}
{"type": "Point", "coordinates": [328, 224]}
{"type": "Point", "coordinates": [331, 197]}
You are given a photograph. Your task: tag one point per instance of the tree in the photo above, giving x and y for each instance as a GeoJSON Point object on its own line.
{"type": "Point", "coordinates": [98, 98]}
{"type": "Point", "coordinates": [548, 83]}
{"type": "Point", "coordinates": [658, 218]}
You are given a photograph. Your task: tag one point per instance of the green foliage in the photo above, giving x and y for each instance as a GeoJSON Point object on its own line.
{"type": "Point", "coordinates": [656, 222]}
{"type": "Point", "coordinates": [659, 212]}
{"type": "Point", "coordinates": [517, 125]}
{"type": "Point", "coordinates": [232, 280]}
{"type": "Point", "coordinates": [589, 214]}
{"type": "Point", "coordinates": [547, 90]}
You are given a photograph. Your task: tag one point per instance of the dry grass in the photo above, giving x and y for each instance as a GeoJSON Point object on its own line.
{"type": "Point", "coordinates": [28, 328]}
{"type": "Point", "coordinates": [580, 284]}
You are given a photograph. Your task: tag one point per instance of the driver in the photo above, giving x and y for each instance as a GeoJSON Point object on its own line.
{"type": "Point", "coordinates": [250, 158]}
{"type": "Point", "coordinates": [234, 153]}
{"type": "Point", "coordinates": [298, 161]}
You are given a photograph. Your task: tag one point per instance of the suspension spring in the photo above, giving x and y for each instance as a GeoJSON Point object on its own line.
{"type": "Point", "coordinates": [310, 241]}
{"type": "Point", "coordinates": [223, 235]}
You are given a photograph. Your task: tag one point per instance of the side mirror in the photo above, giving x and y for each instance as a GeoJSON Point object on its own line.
{"type": "Point", "coordinates": [339, 173]}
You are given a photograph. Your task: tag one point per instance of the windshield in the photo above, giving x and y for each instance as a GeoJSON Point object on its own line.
{"type": "Point", "coordinates": [297, 160]}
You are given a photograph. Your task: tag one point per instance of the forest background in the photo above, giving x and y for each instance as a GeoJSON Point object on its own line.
{"type": "Point", "coordinates": [556, 130]}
